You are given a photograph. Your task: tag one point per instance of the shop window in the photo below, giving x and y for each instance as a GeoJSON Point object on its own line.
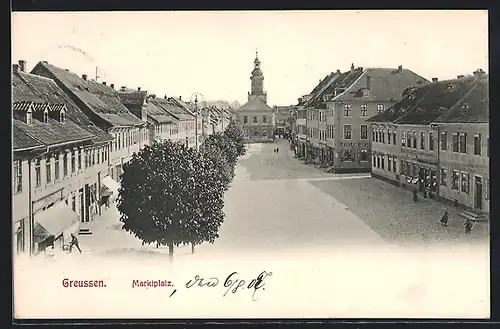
{"type": "Point", "coordinates": [347, 156]}
{"type": "Point", "coordinates": [363, 156]}
{"type": "Point", "coordinates": [465, 182]}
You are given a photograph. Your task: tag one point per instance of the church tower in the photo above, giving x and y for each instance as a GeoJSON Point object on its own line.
{"type": "Point", "coordinates": [257, 78]}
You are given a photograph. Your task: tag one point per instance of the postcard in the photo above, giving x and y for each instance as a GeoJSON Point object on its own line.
{"type": "Point", "coordinates": [250, 164]}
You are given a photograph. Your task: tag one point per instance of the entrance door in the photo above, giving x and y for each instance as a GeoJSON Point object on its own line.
{"type": "Point", "coordinates": [87, 202]}
{"type": "Point", "coordinates": [82, 205]}
{"type": "Point", "coordinates": [478, 192]}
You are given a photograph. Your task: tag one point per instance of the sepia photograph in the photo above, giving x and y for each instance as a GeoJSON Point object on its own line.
{"type": "Point", "coordinates": [250, 164]}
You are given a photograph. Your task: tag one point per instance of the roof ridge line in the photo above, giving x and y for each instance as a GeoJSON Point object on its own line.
{"type": "Point", "coordinates": [352, 84]}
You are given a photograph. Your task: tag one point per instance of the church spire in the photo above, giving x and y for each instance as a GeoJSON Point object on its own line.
{"type": "Point", "coordinates": [257, 78]}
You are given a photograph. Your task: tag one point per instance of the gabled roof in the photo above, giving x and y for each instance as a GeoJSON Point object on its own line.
{"type": "Point", "coordinates": [385, 84]}
{"type": "Point", "coordinates": [473, 108]}
{"type": "Point", "coordinates": [423, 105]}
{"type": "Point", "coordinates": [157, 114]}
{"type": "Point", "coordinates": [255, 104]}
{"type": "Point", "coordinates": [21, 140]}
{"type": "Point", "coordinates": [188, 113]}
{"type": "Point", "coordinates": [171, 108]}
{"type": "Point", "coordinates": [131, 96]}
{"type": "Point", "coordinates": [316, 89]}
{"type": "Point", "coordinates": [36, 89]}
{"type": "Point", "coordinates": [100, 99]}
{"type": "Point", "coordinates": [53, 132]}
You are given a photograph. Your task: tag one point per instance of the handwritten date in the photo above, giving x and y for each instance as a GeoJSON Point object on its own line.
{"type": "Point", "coordinates": [232, 283]}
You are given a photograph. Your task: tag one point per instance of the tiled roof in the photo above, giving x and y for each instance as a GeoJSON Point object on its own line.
{"type": "Point", "coordinates": [316, 89]}
{"type": "Point", "coordinates": [386, 84]}
{"type": "Point", "coordinates": [132, 96]}
{"type": "Point", "coordinates": [21, 140]}
{"type": "Point", "coordinates": [255, 104]}
{"type": "Point", "coordinates": [473, 108]}
{"type": "Point", "coordinates": [158, 114]}
{"type": "Point", "coordinates": [34, 88]}
{"type": "Point", "coordinates": [171, 108]}
{"type": "Point", "coordinates": [425, 104]}
{"type": "Point", "coordinates": [185, 107]}
{"type": "Point", "coordinates": [100, 99]}
{"type": "Point", "coordinates": [54, 132]}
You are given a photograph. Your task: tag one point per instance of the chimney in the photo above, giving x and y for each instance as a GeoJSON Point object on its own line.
{"type": "Point", "coordinates": [400, 68]}
{"type": "Point", "coordinates": [352, 67]}
{"type": "Point", "coordinates": [460, 76]}
{"type": "Point", "coordinates": [478, 74]}
{"type": "Point", "coordinates": [84, 77]}
{"type": "Point", "coordinates": [180, 98]}
{"type": "Point", "coordinates": [319, 81]}
{"type": "Point", "coordinates": [138, 88]}
{"type": "Point", "coordinates": [104, 82]}
{"type": "Point", "coordinates": [368, 82]}
{"type": "Point", "coordinates": [165, 97]}
{"type": "Point", "coordinates": [338, 71]}
{"type": "Point", "coordinates": [123, 88]}
{"type": "Point", "coordinates": [66, 70]}
{"type": "Point", "coordinates": [22, 65]}
{"type": "Point", "coordinates": [15, 67]}
{"type": "Point", "coordinates": [299, 99]}
{"type": "Point", "coordinates": [112, 85]}
{"type": "Point", "coordinates": [434, 79]}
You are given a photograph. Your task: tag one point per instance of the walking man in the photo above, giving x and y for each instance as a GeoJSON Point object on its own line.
{"type": "Point", "coordinates": [467, 226]}
{"type": "Point", "coordinates": [74, 242]}
{"type": "Point", "coordinates": [444, 219]}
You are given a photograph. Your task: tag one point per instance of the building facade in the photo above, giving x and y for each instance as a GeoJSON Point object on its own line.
{"type": "Point", "coordinates": [257, 118]}
{"type": "Point", "coordinates": [283, 116]}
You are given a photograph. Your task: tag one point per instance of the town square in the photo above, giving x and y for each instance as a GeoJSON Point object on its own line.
{"type": "Point", "coordinates": [130, 154]}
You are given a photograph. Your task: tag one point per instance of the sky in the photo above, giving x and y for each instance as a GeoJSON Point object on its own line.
{"type": "Point", "coordinates": [211, 53]}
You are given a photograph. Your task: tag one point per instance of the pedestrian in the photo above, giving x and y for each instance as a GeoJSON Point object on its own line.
{"type": "Point", "coordinates": [277, 150]}
{"type": "Point", "coordinates": [74, 242]}
{"type": "Point", "coordinates": [415, 196]}
{"type": "Point", "coordinates": [444, 219]}
{"type": "Point", "coordinates": [467, 226]}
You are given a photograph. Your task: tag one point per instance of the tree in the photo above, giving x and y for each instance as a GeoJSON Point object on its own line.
{"type": "Point", "coordinates": [234, 132]}
{"type": "Point", "coordinates": [154, 198]}
{"type": "Point", "coordinates": [225, 145]}
{"type": "Point", "coordinates": [224, 170]}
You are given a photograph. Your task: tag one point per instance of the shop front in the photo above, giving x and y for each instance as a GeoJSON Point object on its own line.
{"type": "Point", "coordinates": [54, 226]}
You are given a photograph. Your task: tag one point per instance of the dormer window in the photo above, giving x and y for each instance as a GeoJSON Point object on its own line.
{"type": "Point", "coordinates": [62, 117]}
{"type": "Point", "coordinates": [29, 117]}
{"type": "Point", "coordinates": [45, 116]}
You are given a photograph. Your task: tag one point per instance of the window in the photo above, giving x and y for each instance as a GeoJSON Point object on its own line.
{"type": "Point", "coordinates": [48, 173]}
{"type": "Point", "coordinates": [378, 161]}
{"type": "Point", "coordinates": [454, 139]}
{"type": "Point", "coordinates": [465, 182]}
{"type": "Point", "coordinates": [454, 181]}
{"type": "Point", "coordinates": [374, 161]}
{"type": "Point", "coordinates": [65, 164]}
{"type": "Point", "coordinates": [389, 162]}
{"type": "Point", "coordinates": [463, 143]}
{"type": "Point", "coordinates": [431, 141]}
{"type": "Point", "coordinates": [403, 138]}
{"type": "Point", "coordinates": [422, 140]}
{"type": "Point", "coordinates": [382, 134]}
{"type": "Point", "coordinates": [380, 108]}
{"type": "Point", "coordinates": [245, 119]}
{"type": "Point", "coordinates": [264, 119]}
{"type": "Point", "coordinates": [444, 140]}
{"type": "Point", "coordinates": [102, 155]}
{"type": "Point", "coordinates": [408, 139]}
{"type": "Point", "coordinates": [254, 119]}
{"type": "Point", "coordinates": [364, 132]}
{"type": "Point", "coordinates": [388, 136]}
{"type": "Point", "coordinates": [56, 167]}
{"type": "Point", "coordinates": [363, 156]}
{"type": "Point", "coordinates": [363, 110]}
{"type": "Point", "coordinates": [73, 161]}
{"type": "Point", "coordinates": [45, 117]}
{"type": "Point", "coordinates": [394, 164]}
{"type": "Point", "coordinates": [443, 176]}
{"type": "Point", "coordinates": [488, 146]}
{"type": "Point", "coordinates": [347, 110]}
{"type": "Point", "coordinates": [383, 158]}
{"type": "Point", "coordinates": [347, 131]}
{"type": "Point", "coordinates": [29, 117]}
{"type": "Point", "coordinates": [92, 160]}
{"type": "Point", "coordinates": [394, 137]}
{"type": "Point", "coordinates": [38, 174]}
{"type": "Point", "coordinates": [373, 135]}
{"type": "Point", "coordinates": [18, 176]}
{"type": "Point", "coordinates": [264, 132]}
{"type": "Point", "coordinates": [477, 144]}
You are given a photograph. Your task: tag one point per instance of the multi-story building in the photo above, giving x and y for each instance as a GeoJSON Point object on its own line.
{"type": "Point", "coordinates": [255, 115]}
{"type": "Point", "coordinates": [349, 101]}
{"type": "Point", "coordinates": [282, 117]}
{"type": "Point", "coordinates": [190, 120]}
{"type": "Point", "coordinates": [59, 160]}
{"type": "Point", "coordinates": [162, 125]}
{"type": "Point", "coordinates": [103, 106]}
{"type": "Point", "coordinates": [421, 143]}
{"type": "Point", "coordinates": [464, 172]}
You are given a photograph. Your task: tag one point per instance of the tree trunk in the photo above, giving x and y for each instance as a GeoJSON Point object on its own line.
{"type": "Point", "coordinates": [171, 251]}
{"type": "Point", "coordinates": [192, 248]}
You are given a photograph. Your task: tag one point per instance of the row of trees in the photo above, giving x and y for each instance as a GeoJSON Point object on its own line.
{"type": "Point", "coordinates": [173, 195]}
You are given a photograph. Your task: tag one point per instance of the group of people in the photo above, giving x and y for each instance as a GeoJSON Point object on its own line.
{"type": "Point", "coordinates": [467, 225]}
{"type": "Point", "coordinates": [276, 150]}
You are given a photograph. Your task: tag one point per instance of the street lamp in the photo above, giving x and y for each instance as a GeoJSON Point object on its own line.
{"type": "Point", "coordinates": [195, 100]}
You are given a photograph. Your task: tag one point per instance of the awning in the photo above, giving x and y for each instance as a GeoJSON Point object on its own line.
{"type": "Point", "coordinates": [111, 184]}
{"type": "Point", "coordinates": [55, 221]}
